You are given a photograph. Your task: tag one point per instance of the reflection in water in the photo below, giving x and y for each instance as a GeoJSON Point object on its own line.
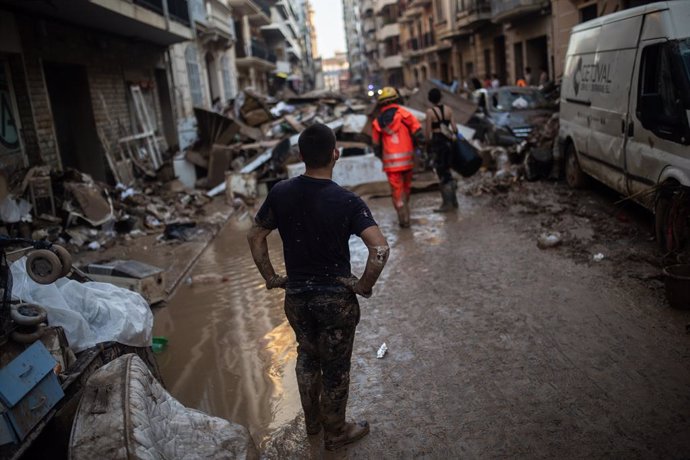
{"type": "Point", "coordinates": [214, 361]}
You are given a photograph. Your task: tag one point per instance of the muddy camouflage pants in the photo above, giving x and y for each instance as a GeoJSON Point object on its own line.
{"type": "Point", "coordinates": [324, 324]}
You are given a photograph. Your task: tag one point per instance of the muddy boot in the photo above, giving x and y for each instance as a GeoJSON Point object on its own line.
{"type": "Point", "coordinates": [402, 220]}
{"type": "Point", "coordinates": [347, 434]}
{"type": "Point", "coordinates": [447, 194]}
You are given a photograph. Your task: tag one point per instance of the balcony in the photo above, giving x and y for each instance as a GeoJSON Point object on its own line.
{"type": "Point", "coordinates": [255, 54]}
{"type": "Point", "coordinates": [428, 40]}
{"type": "Point", "coordinates": [369, 25]}
{"type": "Point", "coordinates": [214, 22]}
{"type": "Point", "coordinates": [507, 10]}
{"type": "Point", "coordinates": [379, 5]}
{"type": "Point", "coordinates": [419, 3]}
{"type": "Point", "coordinates": [259, 11]}
{"type": "Point", "coordinates": [412, 44]}
{"type": "Point", "coordinates": [387, 31]}
{"type": "Point", "coordinates": [295, 52]}
{"type": "Point", "coordinates": [391, 62]}
{"type": "Point", "coordinates": [144, 20]}
{"type": "Point", "coordinates": [475, 14]}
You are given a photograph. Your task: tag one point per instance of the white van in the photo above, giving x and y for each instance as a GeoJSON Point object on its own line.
{"type": "Point", "coordinates": [625, 110]}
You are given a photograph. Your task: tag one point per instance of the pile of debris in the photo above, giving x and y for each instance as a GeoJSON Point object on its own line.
{"type": "Point", "coordinates": [258, 135]}
{"type": "Point", "coordinates": [70, 208]}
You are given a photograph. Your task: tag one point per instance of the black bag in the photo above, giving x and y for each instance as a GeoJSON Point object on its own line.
{"type": "Point", "coordinates": [465, 159]}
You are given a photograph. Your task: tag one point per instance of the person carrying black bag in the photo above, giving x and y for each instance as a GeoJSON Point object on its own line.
{"type": "Point", "coordinates": [442, 130]}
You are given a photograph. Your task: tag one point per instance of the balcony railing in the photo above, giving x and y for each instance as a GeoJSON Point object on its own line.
{"type": "Point", "coordinates": [260, 51]}
{"type": "Point", "coordinates": [472, 13]}
{"type": "Point", "coordinates": [177, 9]}
{"type": "Point", "coordinates": [508, 9]}
{"type": "Point", "coordinates": [428, 40]}
{"type": "Point", "coordinates": [477, 6]}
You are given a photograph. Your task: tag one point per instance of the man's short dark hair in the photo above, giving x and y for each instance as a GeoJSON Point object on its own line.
{"type": "Point", "coordinates": [316, 144]}
{"type": "Point", "coordinates": [434, 96]}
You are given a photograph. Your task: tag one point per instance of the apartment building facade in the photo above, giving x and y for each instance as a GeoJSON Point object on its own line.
{"type": "Point", "coordinates": [462, 39]}
{"type": "Point", "coordinates": [355, 41]}
{"type": "Point", "coordinates": [66, 74]}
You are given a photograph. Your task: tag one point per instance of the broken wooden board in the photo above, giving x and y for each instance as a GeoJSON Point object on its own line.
{"type": "Point", "coordinates": [219, 162]}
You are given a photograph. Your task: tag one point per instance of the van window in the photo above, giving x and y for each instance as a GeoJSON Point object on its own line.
{"type": "Point", "coordinates": [657, 80]}
{"type": "Point", "coordinates": [659, 99]}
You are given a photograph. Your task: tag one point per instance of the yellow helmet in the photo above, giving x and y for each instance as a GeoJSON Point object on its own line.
{"type": "Point", "coordinates": [387, 94]}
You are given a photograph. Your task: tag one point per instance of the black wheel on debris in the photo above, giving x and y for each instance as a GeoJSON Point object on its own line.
{"type": "Point", "coordinates": [574, 175]}
{"type": "Point", "coordinates": [28, 314]}
{"type": "Point", "coordinates": [43, 266]}
{"type": "Point", "coordinates": [65, 259]}
{"type": "Point", "coordinates": [672, 218]}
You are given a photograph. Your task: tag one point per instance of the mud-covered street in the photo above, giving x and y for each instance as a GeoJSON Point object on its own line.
{"type": "Point", "coordinates": [496, 348]}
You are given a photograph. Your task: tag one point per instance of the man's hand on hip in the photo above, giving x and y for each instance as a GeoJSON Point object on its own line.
{"type": "Point", "coordinates": [276, 281]}
{"type": "Point", "coordinates": [356, 286]}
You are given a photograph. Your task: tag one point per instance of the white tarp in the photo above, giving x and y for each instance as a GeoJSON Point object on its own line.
{"type": "Point", "coordinates": [90, 313]}
{"type": "Point", "coordinates": [125, 413]}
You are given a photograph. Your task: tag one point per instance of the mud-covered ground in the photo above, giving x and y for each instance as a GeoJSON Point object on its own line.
{"type": "Point", "coordinates": [496, 348]}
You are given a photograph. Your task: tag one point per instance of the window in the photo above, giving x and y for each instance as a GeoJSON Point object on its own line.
{"type": "Point", "coordinates": [194, 76]}
{"type": "Point", "coordinates": [227, 82]}
{"type": "Point", "coordinates": [657, 80]}
{"type": "Point", "coordinates": [588, 13]}
{"type": "Point", "coordinates": [659, 104]}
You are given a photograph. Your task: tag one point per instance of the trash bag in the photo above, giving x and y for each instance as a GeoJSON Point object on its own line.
{"type": "Point", "coordinates": [90, 313]}
{"type": "Point", "coordinates": [125, 413]}
{"type": "Point", "coordinates": [465, 160]}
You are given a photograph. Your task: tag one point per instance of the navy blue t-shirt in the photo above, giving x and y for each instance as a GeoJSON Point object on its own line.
{"type": "Point", "coordinates": [315, 218]}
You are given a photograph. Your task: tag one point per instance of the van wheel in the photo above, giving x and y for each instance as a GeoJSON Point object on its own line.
{"type": "Point", "coordinates": [672, 219]}
{"type": "Point", "coordinates": [574, 176]}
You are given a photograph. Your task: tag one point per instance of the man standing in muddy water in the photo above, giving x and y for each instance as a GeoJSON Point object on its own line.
{"type": "Point", "coordinates": [315, 218]}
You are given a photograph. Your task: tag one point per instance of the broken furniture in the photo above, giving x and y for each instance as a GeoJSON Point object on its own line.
{"type": "Point", "coordinates": [147, 280]}
{"type": "Point", "coordinates": [29, 389]}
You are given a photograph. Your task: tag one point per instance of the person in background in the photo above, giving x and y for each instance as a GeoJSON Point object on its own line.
{"type": "Point", "coordinates": [487, 81]}
{"type": "Point", "coordinates": [315, 218]}
{"type": "Point", "coordinates": [394, 134]}
{"type": "Point", "coordinates": [543, 77]}
{"type": "Point", "coordinates": [528, 76]}
{"type": "Point", "coordinates": [441, 130]}
{"type": "Point", "coordinates": [495, 82]}
{"type": "Point", "coordinates": [521, 82]}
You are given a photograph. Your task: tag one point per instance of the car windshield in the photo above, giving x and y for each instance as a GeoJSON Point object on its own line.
{"type": "Point", "coordinates": [506, 100]}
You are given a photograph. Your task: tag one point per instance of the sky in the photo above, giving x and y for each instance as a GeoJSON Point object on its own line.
{"type": "Point", "coordinates": [330, 30]}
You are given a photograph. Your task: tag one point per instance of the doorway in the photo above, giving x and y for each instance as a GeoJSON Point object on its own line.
{"type": "Point", "coordinates": [537, 54]}
{"type": "Point", "coordinates": [167, 114]}
{"type": "Point", "coordinates": [212, 75]}
{"type": "Point", "coordinates": [500, 58]}
{"type": "Point", "coordinates": [75, 127]}
{"type": "Point", "coordinates": [519, 61]}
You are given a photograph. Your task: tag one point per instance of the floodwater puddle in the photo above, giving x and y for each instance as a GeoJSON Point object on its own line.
{"type": "Point", "coordinates": [231, 352]}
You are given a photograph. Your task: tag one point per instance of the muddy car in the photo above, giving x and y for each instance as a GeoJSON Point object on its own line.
{"type": "Point", "coordinates": [506, 116]}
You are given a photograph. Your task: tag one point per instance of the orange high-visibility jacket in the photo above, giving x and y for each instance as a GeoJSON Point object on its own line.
{"type": "Point", "coordinates": [394, 128]}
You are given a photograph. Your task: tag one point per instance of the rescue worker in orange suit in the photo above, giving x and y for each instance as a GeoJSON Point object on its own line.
{"type": "Point", "coordinates": [395, 131]}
